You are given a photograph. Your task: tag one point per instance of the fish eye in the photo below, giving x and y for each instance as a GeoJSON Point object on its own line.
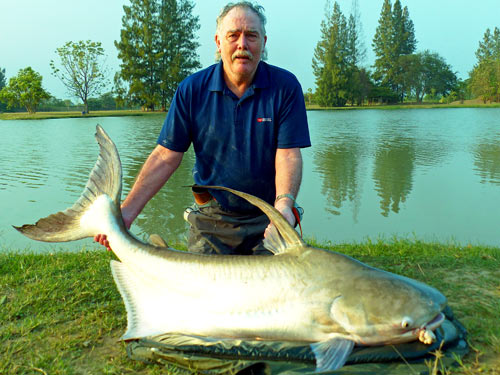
{"type": "Point", "coordinates": [406, 322]}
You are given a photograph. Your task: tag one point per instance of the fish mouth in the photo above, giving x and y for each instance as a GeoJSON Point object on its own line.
{"type": "Point", "coordinates": [436, 322]}
{"type": "Point", "coordinates": [425, 333]}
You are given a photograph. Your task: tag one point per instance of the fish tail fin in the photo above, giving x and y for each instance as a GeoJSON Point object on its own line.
{"type": "Point", "coordinates": [105, 179]}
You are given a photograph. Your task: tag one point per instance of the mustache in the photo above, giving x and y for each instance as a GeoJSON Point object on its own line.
{"type": "Point", "coordinates": [246, 54]}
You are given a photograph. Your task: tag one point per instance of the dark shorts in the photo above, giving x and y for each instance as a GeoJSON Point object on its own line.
{"type": "Point", "coordinates": [217, 231]}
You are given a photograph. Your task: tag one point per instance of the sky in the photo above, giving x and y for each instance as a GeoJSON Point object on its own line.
{"type": "Point", "coordinates": [32, 30]}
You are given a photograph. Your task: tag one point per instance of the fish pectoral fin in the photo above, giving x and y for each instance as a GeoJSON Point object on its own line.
{"type": "Point", "coordinates": [274, 242]}
{"type": "Point", "coordinates": [331, 354]}
{"type": "Point", "coordinates": [290, 237]}
{"type": "Point", "coordinates": [157, 240]}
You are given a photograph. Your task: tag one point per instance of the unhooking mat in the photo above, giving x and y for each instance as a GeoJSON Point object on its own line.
{"type": "Point", "coordinates": [193, 354]}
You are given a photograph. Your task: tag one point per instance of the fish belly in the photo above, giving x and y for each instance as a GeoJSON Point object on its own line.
{"type": "Point", "coordinates": [237, 297]}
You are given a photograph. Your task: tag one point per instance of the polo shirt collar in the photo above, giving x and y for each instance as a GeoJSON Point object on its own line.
{"type": "Point", "coordinates": [216, 82]}
{"type": "Point", "coordinates": [260, 80]}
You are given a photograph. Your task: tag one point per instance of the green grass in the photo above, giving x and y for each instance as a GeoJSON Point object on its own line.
{"type": "Point", "coordinates": [60, 313]}
{"type": "Point", "coordinates": [75, 114]}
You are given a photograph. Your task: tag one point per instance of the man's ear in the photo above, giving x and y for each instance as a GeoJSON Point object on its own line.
{"type": "Point", "coordinates": [217, 41]}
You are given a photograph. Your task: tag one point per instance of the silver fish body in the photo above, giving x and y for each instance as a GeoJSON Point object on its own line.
{"type": "Point", "coordinates": [300, 294]}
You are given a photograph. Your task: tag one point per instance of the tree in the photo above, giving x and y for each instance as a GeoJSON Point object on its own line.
{"type": "Point", "coordinates": [489, 48]}
{"type": "Point", "coordinates": [24, 90]}
{"type": "Point", "coordinates": [485, 81]}
{"type": "Point", "coordinates": [382, 45]}
{"type": "Point", "coordinates": [394, 37]}
{"type": "Point", "coordinates": [438, 77]}
{"type": "Point", "coordinates": [485, 77]}
{"type": "Point", "coordinates": [120, 92]}
{"type": "Point", "coordinates": [411, 81]}
{"type": "Point", "coordinates": [82, 69]}
{"type": "Point", "coordinates": [157, 49]}
{"type": "Point", "coordinates": [332, 61]}
{"type": "Point", "coordinates": [105, 102]}
{"type": "Point", "coordinates": [357, 47]}
{"type": "Point", "coordinates": [357, 89]}
{"type": "Point", "coordinates": [179, 59]}
{"type": "Point", "coordinates": [361, 86]}
{"type": "Point", "coordinates": [138, 53]}
{"type": "Point", "coordinates": [403, 31]}
{"type": "Point", "coordinates": [309, 97]}
{"type": "Point", "coordinates": [2, 78]}
{"type": "Point", "coordinates": [52, 104]}
{"type": "Point", "coordinates": [403, 44]}
{"type": "Point", "coordinates": [462, 90]}
{"type": "Point", "coordinates": [3, 82]}
{"type": "Point", "coordinates": [409, 42]}
{"type": "Point", "coordinates": [425, 73]}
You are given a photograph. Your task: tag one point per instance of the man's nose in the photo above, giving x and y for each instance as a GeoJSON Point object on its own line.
{"type": "Point", "coordinates": [242, 41]}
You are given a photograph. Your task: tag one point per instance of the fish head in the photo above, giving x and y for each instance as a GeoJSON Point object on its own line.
{"type": "Point", "coordinates": [379, 308]}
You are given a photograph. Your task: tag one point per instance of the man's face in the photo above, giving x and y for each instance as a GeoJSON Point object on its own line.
{"type": "Point", "coordinates": [240, 42]}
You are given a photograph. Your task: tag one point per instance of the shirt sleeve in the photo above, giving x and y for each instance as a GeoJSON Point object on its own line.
{"type": "Point", "coordinates": [293, 127]}
{"type": "Point", "coordinates": [175, 133]}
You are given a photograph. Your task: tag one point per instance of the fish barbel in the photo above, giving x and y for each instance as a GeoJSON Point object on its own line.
{"type": "Point", "coordinates": [299, 294]}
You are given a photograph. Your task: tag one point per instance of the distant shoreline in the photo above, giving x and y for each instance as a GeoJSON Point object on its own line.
{"type": "Point", "coordinates": [311, 107]}
{"type": "Point", "coordinates": [75, 114]}
{"type": "Point", "coordinates": [465, 104]}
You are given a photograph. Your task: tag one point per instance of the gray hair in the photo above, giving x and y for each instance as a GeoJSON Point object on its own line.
{"type": "Point", "coordinates": [257, 9]}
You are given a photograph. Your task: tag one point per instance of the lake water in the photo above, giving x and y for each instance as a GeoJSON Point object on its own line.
{"type": "Point", "coordinates": [428, 174]}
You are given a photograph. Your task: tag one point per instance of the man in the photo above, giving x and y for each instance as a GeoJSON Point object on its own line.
{"type": "Point", "coordinates": [247, 122]}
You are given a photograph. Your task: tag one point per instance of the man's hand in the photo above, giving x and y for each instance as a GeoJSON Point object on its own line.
{"type": "Point", "coordinates": [127, 220]}
{"type": "Point", "coordinates": [103, 240]}
{"type": "Point", "coordinates": [284, 206]}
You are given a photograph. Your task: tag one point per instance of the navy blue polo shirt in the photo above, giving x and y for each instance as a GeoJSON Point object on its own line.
{"type": "Point", "coordinates": [235, 139]}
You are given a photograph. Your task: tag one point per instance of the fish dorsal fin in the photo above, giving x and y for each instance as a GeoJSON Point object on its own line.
{"type": "Point", "coordinates": [290, 237]}
{"type": "Point", "coordinates": [331, 354]}
{"type": "Point", "coordinates": [274, 242]}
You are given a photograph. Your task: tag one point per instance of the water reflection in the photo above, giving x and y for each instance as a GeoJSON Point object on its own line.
{"type": "Point", "coordinates": [486, 162]}
{"type": "Point", "coordinates": [338, 165]}
{"type": "Point", "coordinates": [393, 170]}
{"type": "Point", "coordinates": [163, 214]}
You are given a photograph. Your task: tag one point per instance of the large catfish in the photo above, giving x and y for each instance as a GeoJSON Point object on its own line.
{"type": "Point", "coordinates": [300, 294]}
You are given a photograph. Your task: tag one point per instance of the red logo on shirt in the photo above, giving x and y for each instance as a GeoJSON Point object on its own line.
{"type": "Point", "coordinates": [264, 119]}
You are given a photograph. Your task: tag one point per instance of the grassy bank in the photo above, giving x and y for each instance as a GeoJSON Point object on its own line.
{"type": "Point", "coordinates": [61, 313]}
{"type": "Point", "coordinates": [469, 104]}
{"type": "Point", "coordinates": [311, 107]}
{"type": "Point", "coordinates": [54, 115]}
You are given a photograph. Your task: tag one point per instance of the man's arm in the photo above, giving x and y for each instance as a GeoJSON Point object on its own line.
{"type": "Point", "coordinates": [288, 178]}
{"type": "Point", "coordinates": [155, 172]}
